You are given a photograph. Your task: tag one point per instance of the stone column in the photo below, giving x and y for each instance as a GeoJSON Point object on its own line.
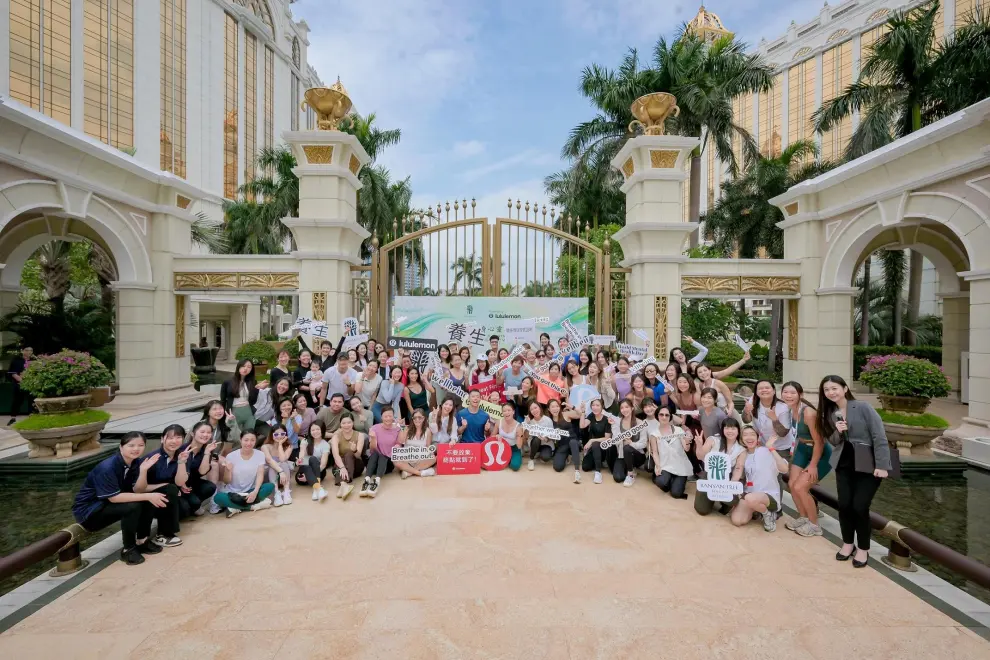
{"type": "Point", "coordinates": [655, 169]}
{"type": "Point", "coordinates": [326, 233]}
{"type": "Point", "coordinates": [833, 349]}
{"type": "Point", "coordinates": [974, 434]}
{"type": "Point", "coordinates": [252, 322]}
{"type": "Point", "coordinates": [955, 335]}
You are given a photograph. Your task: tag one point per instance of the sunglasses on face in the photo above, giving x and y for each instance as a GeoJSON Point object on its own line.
{"type": "Point", "coordinates": [663, 415]}
{"type": "Point", "coordinates": [280, 434]}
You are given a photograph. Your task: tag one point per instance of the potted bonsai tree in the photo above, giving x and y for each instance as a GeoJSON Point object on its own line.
{"type": "Point", "coordinates": [906, 387]}
{"type": "Point", "coordinates": [61, 385]}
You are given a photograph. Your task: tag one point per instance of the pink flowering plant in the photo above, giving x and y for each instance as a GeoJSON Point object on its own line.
{"type": "Point", "coordinates": [903, 375]}
{"type": "Point", "coordinates": [66, 373]}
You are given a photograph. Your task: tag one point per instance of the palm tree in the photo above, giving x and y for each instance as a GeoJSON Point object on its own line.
{"type": "Point", "coordinates": [373, 139]}
{"type": "Point", "coordinates": [259, 223]}
{"type": "Point", "coordinates": [744, 220]}
{"type": "Point", "coordinates": [53, 258]}
{"type": "Point", "coordinates": [705, 77]}
{"type": "Point", "coordinates": [588, 189]}
{"type": "Point", "coordinates": [468, 271]}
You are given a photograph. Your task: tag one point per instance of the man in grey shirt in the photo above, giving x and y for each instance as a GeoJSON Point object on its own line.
{"type": "Point", "coordinates": [340, 379]}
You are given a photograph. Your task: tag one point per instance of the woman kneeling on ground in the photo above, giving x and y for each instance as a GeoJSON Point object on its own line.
{"type": "Point", "coordinates": [416, 434]}
{"type": "Point", "coordinates": [726, 441]}
{"type": "Point", "coordinates": [107, 496]}
{"type": "Point", "coordinates": [568, 445]}
{"type": "Point", "coordinates": [668, 447]}
{"type": "Point", "coordinates": [347, 447]}
{"type": "Point", "coordinates": [243, 474]}
{"type": "Point", "coordinates": [762, 491]}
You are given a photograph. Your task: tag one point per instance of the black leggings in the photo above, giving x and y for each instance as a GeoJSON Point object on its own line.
{"type": "Point", "coordinates": [855, 492]}
{"type": "Point", "coordinates": [632, 458]}
{"type": "Point", "coordinates": [593, 457]}
{"type": "Point", "coordinates": [539, 450]}
{"type": "Point", "coordinates": [379, 465]}
{"type": "Point", "coordinates": [671, 483]}
{"type": "Point", "coordinates": [310, 469]}
{"type": "Point", "coordinates": [560, 454]}
{"type": "Point", "coordinates": [135, 517]}
{"type": "Point", "coordinates": [201, 490]}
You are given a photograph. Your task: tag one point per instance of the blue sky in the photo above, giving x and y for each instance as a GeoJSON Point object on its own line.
{"type": "Point", "coordinates": [486, 92]}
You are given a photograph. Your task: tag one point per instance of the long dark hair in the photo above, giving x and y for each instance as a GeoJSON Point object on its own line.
{"type": "Point", "coordinates": [826, 408]}
{"type": "Point", "coordinates": [221, 424]}
{"type": "Point", "coordinates": [236, 381]}
{"type": "Point", "coordinates": [756, 397]}
{"type": "Point", "coordinates": [800, 390]}
{"type": "Point", "coordinates": [733, 422]}
{"type": "Point", "coordinates": [309, 436]}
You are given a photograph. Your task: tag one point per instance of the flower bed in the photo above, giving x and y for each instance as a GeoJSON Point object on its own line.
{"type": "Point", "coordinates": [905, 383]}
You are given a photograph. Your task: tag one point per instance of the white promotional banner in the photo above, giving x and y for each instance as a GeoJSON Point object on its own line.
{"type": "Point", "coordinates": [470, 320]}
{"type": "Point", "coordinates": [518, 331]}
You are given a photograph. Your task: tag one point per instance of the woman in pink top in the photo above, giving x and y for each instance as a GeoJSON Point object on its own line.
{"type": "Point", "coordinates": [545, 393]}
{"type": "Point", "coordinates": [384, 436]}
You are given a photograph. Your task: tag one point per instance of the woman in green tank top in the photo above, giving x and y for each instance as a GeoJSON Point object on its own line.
{"type": "Point", "coordinates": [809, 462]}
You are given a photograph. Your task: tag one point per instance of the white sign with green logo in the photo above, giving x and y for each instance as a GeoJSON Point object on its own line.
{"type": "Point", "coordinates": [718, 486]}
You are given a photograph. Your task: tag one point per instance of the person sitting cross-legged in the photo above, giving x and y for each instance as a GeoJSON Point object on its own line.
{"type": "Point", "coordinates": [243, 474]}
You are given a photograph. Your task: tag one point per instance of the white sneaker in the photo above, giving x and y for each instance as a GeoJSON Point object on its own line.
{"type": "Point", "coordinates": [796, 524]}
{"type": "Point", "coordinates": [201, 511]}
{"type": "Point", "coordinates": [629, 480]}
{"type": "Point", "coordinates": [277, 498]}
{"type": "Point", "coordinates": [340, 490]}
{"type": "Point", "coordinates": [260, 506]}
{"type": "Point", "coordinates": [428, 472]}
{"type": "Point", "coordinates": [769, 521]}
{"type": "Point", "coordinates": [577, 476]}
{"type": "Point", "coordinates": [598, 477]}
{"type": "Point", "coordinates": [531, 465]}
{"type": "Point", "coordinates": [231, 512]}
{"type": "Point", "coordinates": [214, 507]}
{"type": "Point", "coordinates": [348, 488]}
{"type": "Point", "coordinates": [316, 494]}
{"type": "Point", "coordinates": [404, 474]}
{"type": "Point", "coordinates": [287, 497]}
{"type": "Point", "coordinates": [323, 494]}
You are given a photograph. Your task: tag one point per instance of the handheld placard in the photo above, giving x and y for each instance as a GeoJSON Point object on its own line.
{"type": "Point", "coordinates": [618, 439]}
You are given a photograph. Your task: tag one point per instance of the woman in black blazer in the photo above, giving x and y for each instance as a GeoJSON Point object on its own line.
{"type": "Point", "coordinates": [861, 462]}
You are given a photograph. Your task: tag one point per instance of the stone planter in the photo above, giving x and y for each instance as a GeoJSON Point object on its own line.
{"type": "Point", "coordinates": [911, 404]}
{"type": "Point", "coordinates": [101, 396]}
{"type": "Point", "coordinates": [63, 442]}
{"type": "Point", "coordinates": [62, 404]}
{"type": "Point", "coordinates": [911, 440]}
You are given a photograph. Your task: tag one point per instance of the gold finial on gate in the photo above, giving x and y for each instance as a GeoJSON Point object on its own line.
{"type": "Point", "coordinates": [607, 245]}
{"type": "Point", "coordinates": [374, 243]}
{"type": "Point", "coordinates": [544, 214]}
{"type": "Point", "coordinates": [457, 205]}
{"type": "Point", "coordinates": [395, 229]}
{"type": "Point", "coordinates": [553, 212]}
{"type": "Point", "coordinates": [473, 204]}
{"type": "Point", "coordinates": [464, 206]}
{"type": "Point", "coordinates": [518, 209]}
{"type": "Point", "coordinates": [447, 209]}
{"type": "Point", "coordinates": [580, 227]}
{"type": "Point", "coordinates": [527, 210]}
{"type": "Point", "coordinates": [510, 207]}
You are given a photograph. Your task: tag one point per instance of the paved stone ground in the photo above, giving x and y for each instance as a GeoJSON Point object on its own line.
{"type": "Point", "coordinates": [500, 565]}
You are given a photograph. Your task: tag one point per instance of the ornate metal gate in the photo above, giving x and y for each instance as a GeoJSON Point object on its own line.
{"type": "Point", "coordinates": [447, 251]}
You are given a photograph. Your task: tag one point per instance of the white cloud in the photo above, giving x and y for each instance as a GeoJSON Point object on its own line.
{"type": "Point", "coordinates": [468, 148]}
{"type": "Point", "coordinates": [527, 158]}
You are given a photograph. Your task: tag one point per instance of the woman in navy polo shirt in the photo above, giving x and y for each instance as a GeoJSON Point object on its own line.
{"type": "Point", "coordinates": [160, 476]}
{"type": "Point", "coordinates": [107, 496]}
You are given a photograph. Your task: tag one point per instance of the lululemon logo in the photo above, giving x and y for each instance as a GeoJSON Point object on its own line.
{"type": "Point", "coordinates": [497, 454]}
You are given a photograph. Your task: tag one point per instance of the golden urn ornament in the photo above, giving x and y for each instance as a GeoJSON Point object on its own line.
{"type": "Point", "coordinates": [331, 104]}
{"type": "Point", "coordinates": [651, 111]}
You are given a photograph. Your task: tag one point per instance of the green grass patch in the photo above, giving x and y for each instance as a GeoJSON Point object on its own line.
{"type": "Point", "coordinates": [910, 419]}
{"type": "Point", "coordinates": [37, 422]}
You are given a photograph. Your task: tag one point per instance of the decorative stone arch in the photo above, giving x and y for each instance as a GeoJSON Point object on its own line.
{"type": "Point", "coordinates": [119, 236]}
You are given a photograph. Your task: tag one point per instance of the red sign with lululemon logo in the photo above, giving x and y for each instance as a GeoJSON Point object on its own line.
{"type": "Point", "coordinates": [461, 458]}
{"type": "Point", "coordinates": [495, 454]}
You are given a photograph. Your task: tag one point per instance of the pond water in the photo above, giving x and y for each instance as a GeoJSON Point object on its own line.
{"type": "Point", "coordinates": [952, 511]}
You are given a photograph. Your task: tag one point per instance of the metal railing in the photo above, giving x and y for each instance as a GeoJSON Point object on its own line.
{"type": "Point", "coordinates": [65, 542]}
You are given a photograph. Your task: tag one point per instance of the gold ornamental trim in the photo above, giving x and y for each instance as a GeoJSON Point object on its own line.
{"type": "Point", "coordinates": [180, 326]}
{"type": "Point", "coordinates": [182, 202]}
{"type": "Point", "coordinates": [660, 325]}
{"type": "Point", "coordinates": [318, 154]}
{"type": "Point", "coordinates": [259, 281]}
{"type": "Point", "coordinates": [792, 329]}
{"type": "Point", "coordinates": [663, 158]}
{"type": "Point", "coordinates": [320, 306]}
{"type": "Point", "coordinates": [749, 284]}
{"type": "Point", "coordinates": [745, 284]}
{"type": "Point", "coordinates": [354, 165]}
{"type": "Point", "coordinates": [628, 168]}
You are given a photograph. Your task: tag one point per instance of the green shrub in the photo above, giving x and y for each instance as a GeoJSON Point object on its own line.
{"type": "Point", "coordinates": [293, 347]}
{"type": "Point", "coordinates": [193, 378]}
{"type": "Point", "coordinates": [903, 375]}
{"type": "Point", "coordinates": [257, 352]}
{"type": "Point", "coordinates": [61, 420]}
{"type": "Point", "coordinates": [723, 353]}
{"type": "Point", "coordinates": [759, 352]}
{"type": "Point", "coordinates": [861, 354]}
{"type": "Point", "coordinates": [926, 420]}
{"type": "Point", "coordinates": [66, 373]}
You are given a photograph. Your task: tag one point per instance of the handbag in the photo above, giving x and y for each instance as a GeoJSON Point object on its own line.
{"type": "Point", "coordinates": [239, 499]}
{"type": "Point", "coordinates": [864, 456]}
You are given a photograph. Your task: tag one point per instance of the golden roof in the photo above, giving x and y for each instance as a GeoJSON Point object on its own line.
{"type": "Point", "coordinates": [707, 25]}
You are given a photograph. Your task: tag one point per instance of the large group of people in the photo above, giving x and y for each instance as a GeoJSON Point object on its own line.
{"type": "Point", "coordinates": [339, 414]}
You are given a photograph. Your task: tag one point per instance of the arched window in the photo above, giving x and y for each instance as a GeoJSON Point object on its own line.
{"type": "Point", "coordinates": [877, 15]}
{"type": "Point", "coordinates": [838, 34]}
{"type": "Point", "coordinates": [801, 53]}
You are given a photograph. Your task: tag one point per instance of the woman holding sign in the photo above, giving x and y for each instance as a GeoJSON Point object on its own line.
{"type": "Point", "coordinates": [540, 446]}
{"type": "Point", "coordinates": [726, 441]}
{"type": "Point", "coordinates": [390, 393]}
{"type": "Point", "coordinates": [555, 390]}
{"type": "Point", "coordinates": [668, 448]}
{"type": "Point", "coordinates": [417, 434]}
{"type": "Point", "coordinates": [568, 445]}
{"type": "Point", "coordinates": [762, 490]}
{"type": "Point", "coordinates": [632, 453]}
{"type": "Point", "coordinates": [600, 382]}
{"type": "Point", "coordinates": [598, 427]}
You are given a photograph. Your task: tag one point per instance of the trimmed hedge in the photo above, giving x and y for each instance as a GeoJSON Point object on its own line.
{"type": "Point", "coordinates": [862, 354]}
{"type": "Point", "coordinates": [257, 352]}
{"type": "Point", "coordinates": [925, 420]}
{"type": "Point", "coordinates": [38, 422]}
{"type": "Point", "coordinates": [722, 354]}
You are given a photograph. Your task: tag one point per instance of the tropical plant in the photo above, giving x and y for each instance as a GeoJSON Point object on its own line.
{"type": "Point", "coordinates": [723, 353]}
{"type": "Point", "coordinates": [257, 352]}
{"type": "Point", "coordinates": [66, 373]}
{"type": "Point", "coordinates": [588, 189]}
{"type": "Point", "coordinates": [878, 314]}
{"type": "Point", "coordinates": [254, 222]}
{"type": "Point", "coordinates": [467, 273]}
{"type": "Point", "coordinates": [708, 320]}
{"type": "Point", "coordinates": [373, 139]}
{"type": "Point", "coordinates": [82, 326]}
{"type": "Point", "coordinates": [903, 375]}
{"type": "Point", "coordinates": [53, 260]}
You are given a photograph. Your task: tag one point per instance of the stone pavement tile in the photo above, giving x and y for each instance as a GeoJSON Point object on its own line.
{"type": "Point", "coordinates": [421, 614]}
{"type": "Point", "coordinates": [879, 643]}
{"type": "Point", "coordinates": [863, 583]}
{"type": "Point", "coordinates": [214, 645]}
{"type": "Point", "coordinates": [264, 613]}
{"type": "Point", "coordinates": [706, 637]}
{"type": "Point", "coordinates": [70, 646]}
{"type": "Point", "coordinates": [518, 585]}
{"type": "Point", "coordinates": [705, 585]}
{"type": "Point", "coordinates": [888, 609]}
{"type": "Point", "coordinates": [123, 589]}
{"type": "Point", "coordinates": [607, 584]}
{"type": "Point", "coordinates": [115, 616]}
